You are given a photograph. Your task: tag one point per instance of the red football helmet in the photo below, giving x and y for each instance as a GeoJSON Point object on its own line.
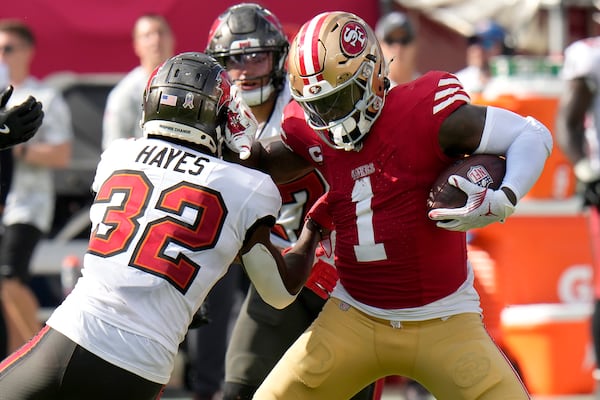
{"type": "Point", "coordinates": [338, 76]}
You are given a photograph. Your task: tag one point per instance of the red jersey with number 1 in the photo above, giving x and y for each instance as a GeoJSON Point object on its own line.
{"type": "Point", "coordinates": [388, 253]}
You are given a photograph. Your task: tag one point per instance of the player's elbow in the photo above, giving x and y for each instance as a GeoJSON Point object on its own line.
{"type": "Point", "coordinates": [273, 292]}
{"type": "Point", "coordinates": [542, 133]}
{"type": "Point", "coordinates": [277, 301]}
{"type": "Point", "coordinates": [263, 271]}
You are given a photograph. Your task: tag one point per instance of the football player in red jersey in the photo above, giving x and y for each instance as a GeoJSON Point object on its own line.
{"type": "Point", "coordinates": [248, 40]}
{"type": "Point", "coordinates": [405, 302]}
{"type": "Point", "coordinates": [168, 218]}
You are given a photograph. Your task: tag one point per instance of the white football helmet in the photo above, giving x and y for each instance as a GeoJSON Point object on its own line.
{"type": "Point", "coordinates": [338, 75]}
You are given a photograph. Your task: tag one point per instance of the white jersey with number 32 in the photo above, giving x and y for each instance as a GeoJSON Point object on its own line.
{"type": "Point", "coordinates": [167, 222]}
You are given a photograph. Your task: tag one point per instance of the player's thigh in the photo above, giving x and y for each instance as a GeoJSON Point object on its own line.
{"type": "Point", "coordinates": [16, 250]}
{"type": "Point", "coordinates": [90, 377]}
{"type": "Point", "coordinates": [36, 368]}
{"type": "Point", "coordinates": [333, 359]}
{"type": "Point", "coordinates": [459, 360]}
{"type": "Point", "coordinates": [261, 335]}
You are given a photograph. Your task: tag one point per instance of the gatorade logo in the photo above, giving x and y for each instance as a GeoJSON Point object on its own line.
{"type": "Point", "coordinates": [575, 284]}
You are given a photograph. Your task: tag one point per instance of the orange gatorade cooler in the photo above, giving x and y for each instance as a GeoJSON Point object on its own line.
{"type": "Point", "coordinates": [486, 284]}
{"type": "Point", "coordinates": [541, 254]}
{"type": "Point", "coordinates": [537, 269]}
{"type": "Point", "coordinates": [552, 346]}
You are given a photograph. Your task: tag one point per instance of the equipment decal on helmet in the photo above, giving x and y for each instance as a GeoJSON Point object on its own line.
{"type": "Point", "coordinates": [315, 89]}
{"type": "Point", "coordinates": [189, 101]}
{"type": "Point", "coordinates": [168, 100]}
{"type": "Point", "coordinates": [244, 44]}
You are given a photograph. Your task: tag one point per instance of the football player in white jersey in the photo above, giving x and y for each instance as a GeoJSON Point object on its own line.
{"type": "Point", "coordinates": [578, 133]}
{"type": "Point", "coordinates": [249, 41]}
{"type": "Point", "coordinates": [168, 219]}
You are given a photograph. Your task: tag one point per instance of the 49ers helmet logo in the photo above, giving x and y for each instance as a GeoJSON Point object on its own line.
{"type": "Point", "coordinates": [353, 39]}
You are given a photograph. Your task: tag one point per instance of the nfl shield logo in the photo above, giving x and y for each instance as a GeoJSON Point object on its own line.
{"type": "Point", "coordinates": [480, 176]}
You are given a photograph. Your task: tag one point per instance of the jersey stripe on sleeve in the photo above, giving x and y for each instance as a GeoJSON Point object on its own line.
{"type": "Point", "coordinates": [449, 91]}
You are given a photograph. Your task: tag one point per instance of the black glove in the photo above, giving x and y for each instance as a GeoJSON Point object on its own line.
{"type": "Point", "coordinates": [591, 193]}
{"type": "Point", "coordinates": [19, 123]}
{"type": "Point", "coordinates": [201, 317]}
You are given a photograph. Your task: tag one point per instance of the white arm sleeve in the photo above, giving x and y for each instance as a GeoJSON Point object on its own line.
{"type": "Point", "coordinates": [526, 142]}
{"type": "Point", "coordinates": [262, 271]}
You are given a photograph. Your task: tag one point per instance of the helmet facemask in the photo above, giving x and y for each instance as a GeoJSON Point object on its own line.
{"type": "Point", "coordinates": [246, 29]}
{"type": "Point", "coordinates": [344, 115]}
{"type": "Point", "coordinates": [259, 95]}
{"type": "Point", "coordinates": [267, 86]}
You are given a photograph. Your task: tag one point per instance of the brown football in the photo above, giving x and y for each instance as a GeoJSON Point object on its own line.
{"type": "Point", "coordinates": [486, 170]}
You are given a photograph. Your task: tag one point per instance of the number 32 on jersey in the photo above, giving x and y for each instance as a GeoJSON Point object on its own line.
{"type": "Point", "coordinates": [127, 196]}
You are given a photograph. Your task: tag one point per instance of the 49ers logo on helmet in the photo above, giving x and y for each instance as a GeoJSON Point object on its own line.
{"type": "Point", "coordinates": [314, 89]}
{"type": "Point", "coordinates": [353, 39]}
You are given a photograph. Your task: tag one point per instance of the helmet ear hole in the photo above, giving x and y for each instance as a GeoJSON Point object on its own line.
{"type": "Point", "coordinates": [386, 84]}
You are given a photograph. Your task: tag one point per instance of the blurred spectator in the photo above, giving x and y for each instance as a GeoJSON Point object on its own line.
{"type": "Point", "coordinates": [29, 209]}
{"type": "Point", "coordinates": [396, 35]}
{"type": "Point", "coordinates": [488, 41]}
{"type": "Point", "coordinates": [153, 43]}
{"type": "Point", "coordinates": [578, 135]}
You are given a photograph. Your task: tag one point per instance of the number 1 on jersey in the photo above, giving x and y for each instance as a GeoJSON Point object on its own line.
{"type": "Point", "coordinates": [366, 250]}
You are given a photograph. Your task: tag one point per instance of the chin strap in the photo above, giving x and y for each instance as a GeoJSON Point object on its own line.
{"type": "Point", "coordinates": [258, 96]}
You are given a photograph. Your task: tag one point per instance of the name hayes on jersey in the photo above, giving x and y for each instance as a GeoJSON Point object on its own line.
{"type": "Point", "coordinates": [171, 158]}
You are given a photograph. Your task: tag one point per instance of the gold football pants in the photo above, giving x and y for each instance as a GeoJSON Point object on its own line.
{"type": "Point", "coordinates": [345, 349]}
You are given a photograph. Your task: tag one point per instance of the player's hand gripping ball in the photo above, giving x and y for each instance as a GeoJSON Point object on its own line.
{"type": "Point", "coordinates": [485, 170]}
{"type": "Point", "coordinates": [466, 194]}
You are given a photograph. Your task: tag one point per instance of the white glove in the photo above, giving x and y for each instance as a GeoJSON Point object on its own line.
{"type": "Point", "coordinates": [241, 125]}
{"type": "Point", "coordinates": [586, 170]}
{"type": "Point", "coordinates": [483, 207]}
